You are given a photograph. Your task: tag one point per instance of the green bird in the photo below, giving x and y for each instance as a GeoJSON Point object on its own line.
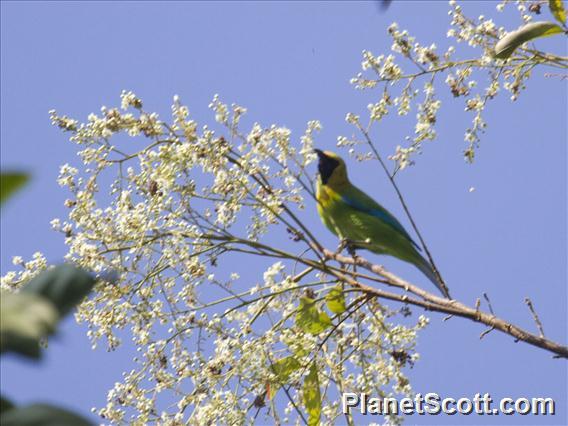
{"type": "Point", "coordinates": [360, 221]}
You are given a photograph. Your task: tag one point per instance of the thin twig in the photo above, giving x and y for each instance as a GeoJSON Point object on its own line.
{"type": "Point", "coordinates": [535, 316]}
{"type": "Point", "coordinates": [406, 209]}
{"type": "Point", "coordinates": [486, 332]}
{"type": "Point", "coordinates": [486, 297]}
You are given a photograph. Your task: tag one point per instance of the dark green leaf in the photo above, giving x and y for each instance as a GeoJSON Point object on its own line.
{"type": "Point", "coordinates": [42, 415]}
{"type": "Point", "coordinates": [312, 396]}
{"type": "Point", "coordinates": [24, 319]}
{"type": "Point", "coordinates": [511, 41]}
{"type": "Point", "coordinates": [557, 9]}
{"type": "Point", "coordinates": [335, 300]}
{"type": "Point", "coordinates": [10, 182]}
{"type": "Point", "coordinates": [26, 346]}
{"type": "Point", "coordinates": [65, 286]}
{"type": "Point", "coordinates": [5, 405]}
{"type": "Point", "coordinates": [309, 318]}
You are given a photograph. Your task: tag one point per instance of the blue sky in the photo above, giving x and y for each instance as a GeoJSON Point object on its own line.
{"type": "Point", "coordinates": [290, 62]}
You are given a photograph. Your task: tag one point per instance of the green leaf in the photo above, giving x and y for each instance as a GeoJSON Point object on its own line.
{"type": "Point", "coordinates": [9, 183]}
{"type": "Point", "coordinates": [42, 415]}
{"type": "Point", "coordinates": [64, 286]}
{"type": "Point", "coordinates": [335, 300]}
{"type": "Point", "coordinates": [5, 404]}
{"type": "Point", "coordinates": [300, 352]}
{"type": "Point", "coordinates": [309, 318]}
{"type": "Point", "coordinates": [557, 9]}
{"type": "Point", "coordinates": [312, 396]}
{"type": "Point", "coordinates": [283, 368]}
{"type": "Point", "coordinates": [24, 319]}
{"type": "Point", "coordinates": [511, 41]}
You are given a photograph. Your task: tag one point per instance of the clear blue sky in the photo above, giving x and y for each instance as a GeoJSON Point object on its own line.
{"type": "Point", "coordinates": [290, 62]}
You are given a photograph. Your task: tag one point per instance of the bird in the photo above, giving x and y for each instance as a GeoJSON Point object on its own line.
{"type": "Point", "coordinates": [361, 222]}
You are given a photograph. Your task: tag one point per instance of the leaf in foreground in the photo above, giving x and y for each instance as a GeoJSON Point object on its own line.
{"type": "Point", "coordinates": [41, 414]}
{"type": "Point", "coordinates": [64, 286]}
{"type": "Point", "coordinates": [5, 404]}
{"type": "Point", "coordinates": [11, 182]}
{"type": "Point", "coordinates": [24, 319]}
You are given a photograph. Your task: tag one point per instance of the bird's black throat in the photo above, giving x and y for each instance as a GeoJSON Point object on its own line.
{"type": "Point", "coordinates": [326, 166]}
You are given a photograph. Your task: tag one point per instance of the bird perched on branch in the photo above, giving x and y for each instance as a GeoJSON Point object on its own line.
{"type": "Point", "coordinates": [360, 221]}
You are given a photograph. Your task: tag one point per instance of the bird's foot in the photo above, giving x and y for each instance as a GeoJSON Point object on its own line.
{"type": "Point", "coordinates": [343, 243]}
{"type": "Point", "coordinates": [349, 245]}
{"type": "Point", "coordinates": [352, 251]}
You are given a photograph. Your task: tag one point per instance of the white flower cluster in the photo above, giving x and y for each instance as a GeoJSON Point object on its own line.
{"type": "Point", "coordinates": [25, 272]}
{"type": "Point", "coordinates": [163, 218]}
{"type": "Point", "coordinates": [396, 87]}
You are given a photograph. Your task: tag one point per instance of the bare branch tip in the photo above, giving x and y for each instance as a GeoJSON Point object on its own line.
{"type": "Point", "coordinates": [486, 332]}
{"type": "Point", "coordinates": [536, 319]}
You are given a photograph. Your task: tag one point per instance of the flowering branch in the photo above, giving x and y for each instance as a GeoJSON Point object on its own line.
{"type": "Point", "coordinates": [434, 303]}
{"type": "Point", "coordinates": [385, 74]}
{"type": "Point", "coordinates": [165, 203]}
{"type": "Point", "coordinates": [427, 300]}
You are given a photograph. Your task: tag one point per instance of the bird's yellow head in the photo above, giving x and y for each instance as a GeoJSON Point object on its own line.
{"type": "Point", "coordinates": [331, 167]}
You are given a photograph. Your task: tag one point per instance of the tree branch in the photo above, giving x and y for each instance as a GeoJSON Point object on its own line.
{"type": "Point", "coordinates": [431, 302]}
{"type": "Point", "coordinates": [425, 300]}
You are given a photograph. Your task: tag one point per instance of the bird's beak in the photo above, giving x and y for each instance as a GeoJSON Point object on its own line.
{"type": "Point", "coordinates": [319, 153]}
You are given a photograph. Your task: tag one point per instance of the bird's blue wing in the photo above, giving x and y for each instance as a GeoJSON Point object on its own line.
{"type": "Point", "coordinates": [360, 201]}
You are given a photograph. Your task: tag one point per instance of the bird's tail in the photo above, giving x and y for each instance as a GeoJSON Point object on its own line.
{"type": "Point", "coordinates": [427, 270]}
